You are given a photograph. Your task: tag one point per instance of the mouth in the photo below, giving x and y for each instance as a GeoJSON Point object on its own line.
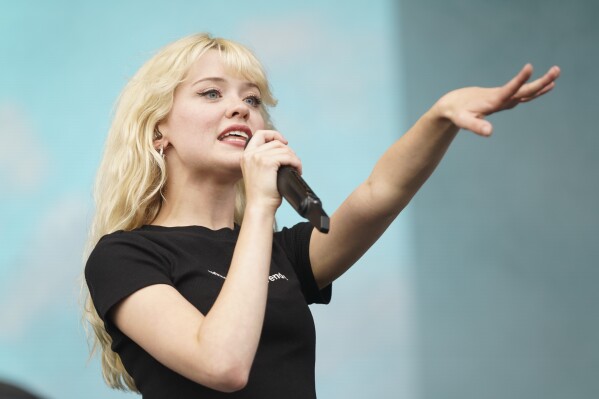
{"type": "Point", "coordinates": [236, 134]}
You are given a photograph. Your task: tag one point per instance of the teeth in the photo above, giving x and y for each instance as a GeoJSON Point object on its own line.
{"type": "Point", "coordinates": [236, 133]}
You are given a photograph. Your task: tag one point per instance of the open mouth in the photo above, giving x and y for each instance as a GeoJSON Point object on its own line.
{"type": "Point", "coordinates": [234, 135]}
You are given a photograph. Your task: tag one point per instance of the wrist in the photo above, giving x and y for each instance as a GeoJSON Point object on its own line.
{"type": "Point", "coordinates": [261, 210]}
{"type": "Point", "coordinates": [441, 115]}
{"type": "Point", "coordinates": [441, 111]}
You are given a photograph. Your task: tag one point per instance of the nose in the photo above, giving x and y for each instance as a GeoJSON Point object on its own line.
{"type": "Point", "coordinates": [238, 109]}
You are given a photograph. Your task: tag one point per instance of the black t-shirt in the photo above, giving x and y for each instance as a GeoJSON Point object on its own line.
{"type": "Point", "coordinates": [195, 261]}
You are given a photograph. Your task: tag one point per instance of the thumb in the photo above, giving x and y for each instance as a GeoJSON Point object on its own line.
{"type": "Point", "coordinates": [476, 125]}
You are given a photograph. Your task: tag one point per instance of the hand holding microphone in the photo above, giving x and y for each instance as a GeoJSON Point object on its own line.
{"type": "Point", "coordinates": [300, 196]}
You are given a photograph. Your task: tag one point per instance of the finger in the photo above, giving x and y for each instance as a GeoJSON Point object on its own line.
{"type": "Point", "coordinates": [273, 157]}
{"type": "Point", "coordinates": [510, 88]}
{"type": "Point", "coordinates": [269, 150]}
{"type": "Point", "coordinates": [266, 146]}
{"type": "Point", "coordinates": [271, 135]}
{"type": "Point", "coordinates": [264, 136]}
{"type": "Point", "coordinates": [274, 151]}
{"type": "Point", "coordinates": [530, 89]}
{"type": "Point", "coordinates": [289, 159]}
{"type": "Point", "coordinates": [546, 89]}
{"type": "Point", "coordinates": [475, 124]}
{"type": "Point", "coordinates": [554, 71]}
{"type": "Point", "coordinates": [264, 153]}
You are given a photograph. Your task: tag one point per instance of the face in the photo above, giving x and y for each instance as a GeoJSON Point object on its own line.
{"type": "Point", "coordinates": [213, 115]}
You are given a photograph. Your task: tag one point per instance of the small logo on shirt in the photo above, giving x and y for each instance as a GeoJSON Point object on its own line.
{"type": "Point", "coordinates": [216, 274]}
{"type": "Point", "coordinates": [277, 276]}
{"type": "Point", "coordinates": [273, 277]}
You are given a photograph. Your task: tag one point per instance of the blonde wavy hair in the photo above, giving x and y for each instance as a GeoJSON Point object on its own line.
{"type": "Point", "coordinates": [132, 173]}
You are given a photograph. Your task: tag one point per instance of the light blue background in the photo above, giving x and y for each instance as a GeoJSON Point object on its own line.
{"type": "Point", "coordinates": [484, 287]}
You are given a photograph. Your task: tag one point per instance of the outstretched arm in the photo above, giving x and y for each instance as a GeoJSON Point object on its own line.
{"type": "Point", "coordinates": [407, 164]}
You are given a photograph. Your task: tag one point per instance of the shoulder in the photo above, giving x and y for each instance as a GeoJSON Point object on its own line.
{"type": "Point", "coordinates": [295, 242]}
{"type": "Point", "coordinates": [125, 250]}
{"type": "Point", "coordinates": [297, 234]}
{"type": "Point", "coordinates": [122, 263]}
{"type": "Point", "coordinates": [119, 239]}
{"type": "Point", "coordinates": [119, 244]}
{"type": "Point", "coordinates": [141, 235]}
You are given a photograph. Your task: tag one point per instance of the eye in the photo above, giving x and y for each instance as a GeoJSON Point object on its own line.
{"type": "Point", "coordinates": [210, 94]}
{"type": "Point", "coordinates": [253, 101]}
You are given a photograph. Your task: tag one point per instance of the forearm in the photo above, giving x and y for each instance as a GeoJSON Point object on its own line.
{"type": "Point", "coordinates": [409, 162]}
{"type": "Point", "coordinates": [373, 206]}
{"type": "Point", "coordinates": [230, 332]}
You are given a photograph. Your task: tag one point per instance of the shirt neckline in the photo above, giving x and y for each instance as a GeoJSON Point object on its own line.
{"type": "Point", "coordinates": [222, 232]}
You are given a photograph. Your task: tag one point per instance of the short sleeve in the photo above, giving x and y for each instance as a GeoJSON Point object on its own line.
{"type": "Point", "coordinates": [120, 264]}
{"type": "Point", "coordinates": [295, 242]}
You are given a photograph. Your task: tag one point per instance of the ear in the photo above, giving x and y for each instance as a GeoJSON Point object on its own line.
{"type": "Point", "coordinates": [160, 143]}
{"type": "Point", "coordinates": [159, 140]}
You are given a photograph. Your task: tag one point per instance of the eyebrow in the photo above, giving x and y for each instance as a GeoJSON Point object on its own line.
{"type": "Point", "coordinates": [223, 80]}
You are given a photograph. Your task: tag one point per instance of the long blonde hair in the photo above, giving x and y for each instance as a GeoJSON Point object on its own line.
{"type": "Point", "coordinates": [132, 173]}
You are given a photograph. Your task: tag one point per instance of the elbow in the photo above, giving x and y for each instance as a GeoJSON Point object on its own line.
{"type": "Point", "coordinates": [233, 382]}
{"type": "Point", "coordinates": [222, 368]}
{"type": "Point", "coordinates": [228, 378]}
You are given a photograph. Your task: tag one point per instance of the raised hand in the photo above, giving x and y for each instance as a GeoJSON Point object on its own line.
{"type": "Point", "coordinates": [468, 107]}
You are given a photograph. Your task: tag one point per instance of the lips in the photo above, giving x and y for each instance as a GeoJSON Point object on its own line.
{"type": "Point", "coordinates": [236, 133]}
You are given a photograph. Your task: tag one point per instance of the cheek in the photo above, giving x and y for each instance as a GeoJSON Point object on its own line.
{"type": "Point", "coordinates": [192, 121]}
{"type": "Point", "coordinates": [260, 121]}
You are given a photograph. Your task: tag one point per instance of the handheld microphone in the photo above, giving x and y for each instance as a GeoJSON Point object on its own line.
{"type": "Point", "coordinates": [300, 196]}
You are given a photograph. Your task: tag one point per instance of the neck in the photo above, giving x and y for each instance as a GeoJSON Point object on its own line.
{"type": "Point", "coordinates": [203, 202]}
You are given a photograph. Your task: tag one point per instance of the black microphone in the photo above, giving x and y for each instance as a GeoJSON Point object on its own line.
{"type": "Point", "coordinates": [300, 196]}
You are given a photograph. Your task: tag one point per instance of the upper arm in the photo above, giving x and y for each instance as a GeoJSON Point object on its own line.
{"type": "Point", "coordinates": [354, 227]}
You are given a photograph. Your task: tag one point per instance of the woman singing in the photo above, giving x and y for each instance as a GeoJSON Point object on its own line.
{"type": "Point", "coordinates": [191, 292]}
